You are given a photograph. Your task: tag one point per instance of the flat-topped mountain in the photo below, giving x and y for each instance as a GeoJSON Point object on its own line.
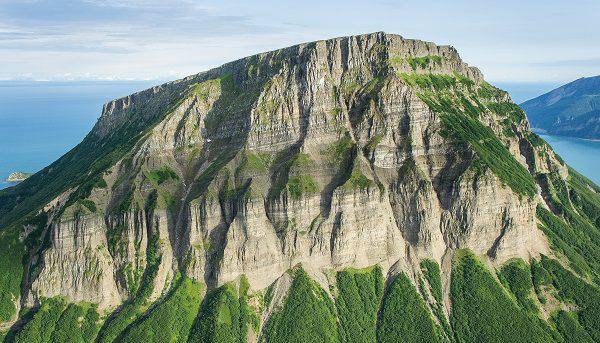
{"type": "Point", "coordinates": [357, 189]}
{"type": "Point", "coordinates": [570, 110]}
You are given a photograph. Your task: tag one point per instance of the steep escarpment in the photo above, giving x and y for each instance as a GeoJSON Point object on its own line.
{"type": "Point", "coordinates": [362, 180]}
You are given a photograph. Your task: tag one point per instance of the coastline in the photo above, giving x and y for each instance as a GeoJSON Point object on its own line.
{"type": "Point", "coordinates": [539, 131]}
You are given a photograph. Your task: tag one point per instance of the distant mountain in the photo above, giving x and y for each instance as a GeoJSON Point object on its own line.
{"type": "Point", "coordinates": [570, 110]}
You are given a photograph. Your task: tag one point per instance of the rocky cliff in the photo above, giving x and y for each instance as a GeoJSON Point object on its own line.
{"type": "Point", "coordinates": [278, 172]}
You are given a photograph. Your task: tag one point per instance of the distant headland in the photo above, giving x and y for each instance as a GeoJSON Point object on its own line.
{"type": "Point", "coordinates": [18, 176]}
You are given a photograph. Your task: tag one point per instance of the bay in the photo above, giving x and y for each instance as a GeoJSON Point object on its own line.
{"type": "Point", "coordinates": [581, 154]}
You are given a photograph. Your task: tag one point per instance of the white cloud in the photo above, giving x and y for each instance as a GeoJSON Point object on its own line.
{"type": "Point", "coordinates": [143, 39]}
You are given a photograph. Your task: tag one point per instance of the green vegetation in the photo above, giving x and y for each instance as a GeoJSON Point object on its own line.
{"type": "Point", "coordinates": [507, 109]}
{"type": "Point", "coordinates": [569, 328]}
{"type": "Point", "coordinates": [89, 204]}
{"type": "Point", "coordinates": [158, 176]}
{"type": "Point", "coordinates": [134, 307]}
{"type": "Point", "coordinates": [491, 152]}
{"type": "Point", "coordinates": [417, 62]}
{"type": "Point", "coordinates": [203, 90]}
{"type": "Point", "coordinates": [308, 315]}
{"type": "Point", "coordinates": [56, 321]}
{"type": "Point", "coordinates": [573, 241]}
{"type": "Point", "coordinates": [359, 297]}
{"type": "Point", "coordinates": [574, 289]}
{"type": "Point", "coordinates": [224, 316]}
{"type": "Point", "coordinates": [404, 316]}
{"type": "Point", "coordinates": [517, 275]}
{"type": "Point", "coordinates": [339, 151]}
{"type": "Point", "coordinates": [294, 177]}
{"type": "Point", "coordinates": [437, 82]}
{"type": "Point", "coordinates": [431, 271]}
{"type": "Point", "coordinates": [481, 308]}
{"type": "Point", "coordinates": [424, 62]}
{"type": "Point", "coordinates": [373, 142]}
{"type": "Point", "coordinates": [358, 180]}
{"type": "Point", "coordinates": [464, 129]}
{"type": "Point", "coordinates": [172, 319]}
{"type": "Point", "coordinates": [300, 185]}
{"type": "Point", "coordinates": [585, 196]}
{"type": "Point", "coordinates": [489, 92]}
{"type": "Point", "coordinates": [255, 162]}
{"type": "Point", "coordinates": [444, 95]}
{"type": "Point", "coordinates": [11, 269]}
{"type": "Point", "coordinates": [124, 204]}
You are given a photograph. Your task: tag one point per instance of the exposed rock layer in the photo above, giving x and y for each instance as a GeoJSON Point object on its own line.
{"type": "Point", "coordinates": [321, 154]}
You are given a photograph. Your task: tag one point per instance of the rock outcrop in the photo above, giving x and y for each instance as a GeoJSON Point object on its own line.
{"type": "Point", "coordinates": [17, 176]}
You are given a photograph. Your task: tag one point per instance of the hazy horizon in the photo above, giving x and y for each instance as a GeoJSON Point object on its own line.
{"type": "Point", "coordinates": [150, 40]}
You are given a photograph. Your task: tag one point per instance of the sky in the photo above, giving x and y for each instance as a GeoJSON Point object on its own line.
{"type": "Point", "coordinates": [510, 41]}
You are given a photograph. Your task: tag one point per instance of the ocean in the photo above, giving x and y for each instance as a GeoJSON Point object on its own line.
{"type": "Point", "coordinates": [40, 121]}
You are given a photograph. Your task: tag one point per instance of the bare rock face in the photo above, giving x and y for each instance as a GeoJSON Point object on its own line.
{"type": "Point", "coordinates": [324, 154]}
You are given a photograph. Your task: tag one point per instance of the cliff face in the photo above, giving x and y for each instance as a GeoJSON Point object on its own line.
{"type": "Point", "coordinates": [350, 152]}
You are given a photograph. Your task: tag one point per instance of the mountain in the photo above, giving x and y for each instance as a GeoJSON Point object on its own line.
{"type": "Point", "coordinates": [357, 189]}
{"type": "Point", "coordinates": [569, 110]}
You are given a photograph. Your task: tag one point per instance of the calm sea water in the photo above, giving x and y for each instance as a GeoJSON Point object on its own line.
{"type": "Point", "coordinates": [581, 154]}
{"type": "Point", "coordinates": [40, 121]}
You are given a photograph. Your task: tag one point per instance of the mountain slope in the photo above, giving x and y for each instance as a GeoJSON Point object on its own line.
{"type": "Point", "coordinates": [570, 110]}
{"type": "Point", "coordinates": [354, 189]}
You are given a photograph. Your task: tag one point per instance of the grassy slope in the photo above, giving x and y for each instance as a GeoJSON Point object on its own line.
{"type": "Point", "coordinates": [308, 315]}
{"type": "Point", "coordinates": [58, 321]}
{"type": "Point", "coordinates": [224, 316]}
{"type": "Point", "coordinates": [404, 316]}
{"type": "Point", "coordinates": [172, 319]}
{"type": "Point", "coordinates": [573, 289]}
{"type": "Point", "coordinates": [453, 98]}
{"type": "Point", "coordinates": [11, 269]}
{"type": "Point", "coordinates": [359, 296]}
{"type": "Point", "coordinates": [482, 310]}
{"type": "Point", "coordinates": [134, 307]}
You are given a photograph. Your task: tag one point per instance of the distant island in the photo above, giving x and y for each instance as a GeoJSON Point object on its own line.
{"type": "Point", "coordinates": [18, 176]}
{"type": "Point", "coordinates": [570, 110]}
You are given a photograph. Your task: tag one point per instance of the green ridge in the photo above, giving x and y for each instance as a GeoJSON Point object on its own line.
{"type": "Point", "coordinates": [308, 315]}
{"type": "Point", "coordinates": [450, 96]}
{"type": "Point", "coordinates": [360, 292]}
{"type": "Point", "coordinates": [57, 321]}
{"type": "Point", "coordinates": [575, 290]}
{"type": "Point", "coordinates": [404, 316]}
{"type": "Point", "coordinates": [224, 316]}
{"type": "Point", "coordinates": [481, 308]}
{"type": "Point", "coordinates": [11, 270]}
{"type": "Point", "coordinates": [172, 319]}
{"type": "Point", "coordinates": [517, 275]}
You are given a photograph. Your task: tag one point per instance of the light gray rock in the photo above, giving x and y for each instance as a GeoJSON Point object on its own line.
{"type": "Point", "coordinates": [233, 209]}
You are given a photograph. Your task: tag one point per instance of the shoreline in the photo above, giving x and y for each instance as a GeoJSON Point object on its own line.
{"type": "Point", "coordinates": [545, 133]}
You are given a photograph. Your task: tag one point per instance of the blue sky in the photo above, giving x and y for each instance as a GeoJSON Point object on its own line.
{"type": "Point", "coordinates": [510, 41]}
